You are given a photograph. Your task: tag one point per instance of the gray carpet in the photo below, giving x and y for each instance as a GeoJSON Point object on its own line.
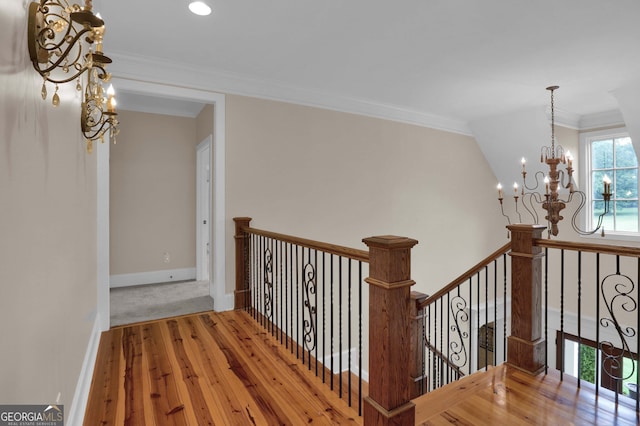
{"type": "Point", "coordinates": [154, 301]}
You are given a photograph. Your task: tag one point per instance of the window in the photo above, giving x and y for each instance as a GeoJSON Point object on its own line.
{"type": "Point", "coordinates": [581, 357]}
{"type": "Point", "coordinates": [610, 154]}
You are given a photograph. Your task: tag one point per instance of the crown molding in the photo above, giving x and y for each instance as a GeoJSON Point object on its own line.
{"type": "Point", "coordinates": [612, 118]}
{"type": "Point", "coordinates": [152, 70]}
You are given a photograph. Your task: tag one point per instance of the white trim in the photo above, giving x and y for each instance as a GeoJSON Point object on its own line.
{"type": "Point", "coordinates": [78, 407]}
{"type": "Point", "coordinates": [353, 367]}
{"type": "Point", "coordinates": [152, 277]}
{"type": "Point", "coordinates": [585, 183]}
{"type": "Point", "coordinates": [203, 194]}
{"type": "Point", "coordinates": [141, 68]}
{"type": "Point", "coordinates": [217, 289]}
{"type": "Point", "coordinates": [102, 245]}
{"type": "Point", "coordinates": [139, 84]}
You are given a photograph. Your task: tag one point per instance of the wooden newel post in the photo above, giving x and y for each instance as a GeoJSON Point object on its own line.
{"type": "Point", "coordinates": [525, 346]}
{"type": "Point", "coordinates": [389, 399]}
{"type": "Point", "coordinates": [242, 293]}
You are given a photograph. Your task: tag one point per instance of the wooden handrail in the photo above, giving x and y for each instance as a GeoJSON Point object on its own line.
{"type": "Point", "coordinates": [462, 278]}
{"type": "Point", "coordinates": [351, 253]}
{"type": "Point", "coordinates": [586, 247]}
{"type": "Point", "coordinates": [441, 356]}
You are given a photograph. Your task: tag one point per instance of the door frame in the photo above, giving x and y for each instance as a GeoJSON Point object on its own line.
{"type": "Point", "coordinates": [203, 209]}
{"type": "Point", "coordinates": [217, 288]}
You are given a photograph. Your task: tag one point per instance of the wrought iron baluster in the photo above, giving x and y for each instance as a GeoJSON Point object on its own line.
{"type": "Point", "coordinates": [504, 309]}
{"type": "Point", "coordinates": [562, 311]}
{"type": "Point", "coordinates": [495, 312]}
{"type": "Point", "coordinates": [617, 290]}
{"type": "Point", "coordinates": [309, 311]}
{"type": "Point", "coordinates": [360, 280]}
{"type": "Point", "coordinates": [324, 315]}
{"type": "Point", "coordinates": [349, 262]}
{"type": "Point", "coordinates": [340, 325]}
{"type": "Point", "coordinates": [331, 319]}
{"type": "Point", "coordinates": [486, 318]}
{"type": "Point", "coordinates": [597, 317]}
{"type": "Point", "coordinates": [546, 310]}
{"type": "Point", "coordinates": [579, 318]}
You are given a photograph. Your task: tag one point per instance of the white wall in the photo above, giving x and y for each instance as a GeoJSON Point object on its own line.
{"type": "Point", "coordinates": [47, 229]}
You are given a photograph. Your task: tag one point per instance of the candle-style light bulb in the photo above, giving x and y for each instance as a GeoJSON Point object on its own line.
{"type": "Point", "coordinates": [111, 99]}
{"type": "Point", "coordinates": [607, 184]}
{"type": "Point", "coordinates": [546, 184]}
{"type": "Point", "coordinates": [500, 193]}
{"type": "Point", "coordinates": [569, 158]}
{"type": "Point", "coordinates": [515, 188]}
{"type": "Point", "coordinates": [524, 162]}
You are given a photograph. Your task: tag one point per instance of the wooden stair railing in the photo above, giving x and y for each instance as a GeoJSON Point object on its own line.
{"type": "Point", "coordinates": [390, 307]}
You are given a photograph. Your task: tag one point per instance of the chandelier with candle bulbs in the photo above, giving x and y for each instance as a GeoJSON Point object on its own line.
{"type": "Point", "coordinates": [556, 182]}
{"type": "Point", "coordinates": [65, 44]}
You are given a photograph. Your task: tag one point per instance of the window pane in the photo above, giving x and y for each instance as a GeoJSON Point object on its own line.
{"type": "Point", "coordinates": [602, 154]}
{"type": "Point", "coordinates": [588, 363]}
{"type": "Point", "coordinates": [598, 209]}
{"type": "Point", "coordinates": [627, 216]}
{"type": "Point", "coordinates": [629, 384]}
{"type": "Point", "coordinates": [626, 184]}
{"type": "Point", "coordinates": [625, 155]}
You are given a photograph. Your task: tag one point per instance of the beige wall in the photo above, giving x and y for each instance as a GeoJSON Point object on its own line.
{"type": "Point", "coordinates": [153, 196]}
{"type": "Point", "coordinates": [339, 177]}
{"type": "Point", "coordinates": [47, 228]}
{"type": "Point", "coordinates": [204, 123]}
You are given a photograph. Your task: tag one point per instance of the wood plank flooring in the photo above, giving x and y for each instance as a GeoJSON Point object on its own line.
{"type": "Point", "coordinates": [206, 369]}
{"type": "Point", "coordinates": [504, 395]}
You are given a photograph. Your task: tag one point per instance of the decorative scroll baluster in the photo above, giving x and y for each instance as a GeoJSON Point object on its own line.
{"type": "Point", "coordinates": [616, 290]}
{"type": "Point", "coordinates": [309, 322]}
{"type": "Point", "coordinates": [459, 315]}
{"type": "Point", "coordinates": [268, 284]}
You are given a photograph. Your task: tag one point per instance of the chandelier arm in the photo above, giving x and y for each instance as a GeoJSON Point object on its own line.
{"type": "Point", "coordinates": [99, 132]}
{"type": "Point", "coordinates": [530, 196]}
{"type": "Point", "coordinates": [537, 182]}
{"type": "Point", "coordinates": [70, 45]}
{"type": "Point", "coordinates": [574, 219]}
{"type": "Point", "coordinates": [503, 213]}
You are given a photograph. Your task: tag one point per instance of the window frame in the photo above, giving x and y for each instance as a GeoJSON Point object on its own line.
{"type": "Point", "coordinates": [585, 181]}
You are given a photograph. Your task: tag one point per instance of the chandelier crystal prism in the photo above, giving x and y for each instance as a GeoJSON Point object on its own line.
{"type": "Point", "coordinates": [557, 182]}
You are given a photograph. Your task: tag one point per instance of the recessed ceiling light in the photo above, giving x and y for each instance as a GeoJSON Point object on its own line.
{"type": "Point", "coordinates": [200, 8]}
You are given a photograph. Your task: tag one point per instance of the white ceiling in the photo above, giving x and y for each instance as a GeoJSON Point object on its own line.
{"type": "Point", "coordinates": [456, 60]}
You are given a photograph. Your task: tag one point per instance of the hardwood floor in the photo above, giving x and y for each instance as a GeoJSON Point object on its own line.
{"type": "Point", "coordinates": [205, 369]}
{"type": "Point", "coordinates": [224, 369]}
{"type": "Point", "coordinates": [506, 396]}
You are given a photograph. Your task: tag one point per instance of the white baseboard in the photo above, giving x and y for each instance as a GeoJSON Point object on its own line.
{"type": "Point", "coordinates": [226, 304]}
{"type": "Point", "coordinates": [152, 277]}
{"type": "Point", "coordinates": [326, 361]}
{"type": "Point", "coordinates": [75, 416]}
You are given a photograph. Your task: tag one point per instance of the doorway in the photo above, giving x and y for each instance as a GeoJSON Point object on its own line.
{"type": "Point", "coordinates": [222, 300]}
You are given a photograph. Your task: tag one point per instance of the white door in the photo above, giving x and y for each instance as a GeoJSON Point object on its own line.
{"type": "Point", "coordinates": [203, 210]}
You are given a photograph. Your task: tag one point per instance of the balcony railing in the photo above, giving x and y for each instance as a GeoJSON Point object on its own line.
{"type": "Point", "coordinates": [465, 324]}
{"type": "Point", "coordinates": [309, 296]}
{"type": "Point", "coordinates": [312, 298]}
